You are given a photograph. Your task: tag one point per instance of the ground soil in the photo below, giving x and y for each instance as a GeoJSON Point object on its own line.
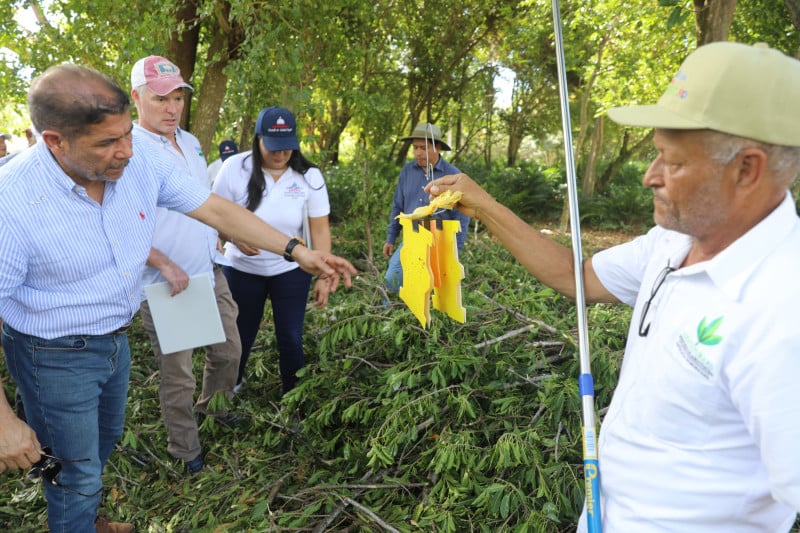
{"type": "Point", "coordinates": [592, 240]}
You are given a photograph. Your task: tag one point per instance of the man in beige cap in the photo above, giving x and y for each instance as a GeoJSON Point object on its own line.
{"type": "Point", "coordinates": [428, 164]}
{"type": "Point", "coordinates": [702, 432]}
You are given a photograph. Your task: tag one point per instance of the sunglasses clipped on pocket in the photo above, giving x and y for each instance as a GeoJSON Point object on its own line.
{"type": "Point", "coordinates": [49, 466]}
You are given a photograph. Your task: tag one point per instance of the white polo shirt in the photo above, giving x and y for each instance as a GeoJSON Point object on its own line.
{"type": "Point", "coordinates": [703, 432]}
{"type": "Point", "coordinates": [189, 243]}
{"type": "Point", "coordinates": [281, 207]}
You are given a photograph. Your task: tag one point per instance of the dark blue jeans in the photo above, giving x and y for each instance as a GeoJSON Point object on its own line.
{"type": "Point", "coordinates": [288, 293]}
{"type": "Point", "coordinates": [74, 390]}
{"type": "Point", "coordinates": [394, 272]}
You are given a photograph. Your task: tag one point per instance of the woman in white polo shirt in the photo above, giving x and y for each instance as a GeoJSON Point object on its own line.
{"type": "Point", "coordinates": [277, 183]}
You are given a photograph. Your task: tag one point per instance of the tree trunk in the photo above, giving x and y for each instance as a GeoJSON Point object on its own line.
{"type": "Point", "coordinates": [402, 152]}
{"type": "Point", "coordinates": [623, 156]}
{"type": "Point", "coordinates": [713, 20]}
{"type": "Point", "coordinates": [214, 85]}
{"type": "Point", "coordinates": [331, 133]}
{"type": "Point", "coordinates": [182, 49]}
{"type": "Point", "coordinates": [517, 119]}
{"type": "Point", "coordinates": [793, 7]}
{"type": "Point", "coordinates": [223, 48]}
{"type": "Point", "coordinates": [590, 170]}
{"type": "Point", "coordinates": [512, 150]}
{"type": "Point", "coordinates": [584, 115]}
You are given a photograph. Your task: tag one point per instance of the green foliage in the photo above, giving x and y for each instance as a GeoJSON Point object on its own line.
{"type": "Point", "coordinates": [625, 204]}
{"type": "Point", "coordinates": [361, 189]}
{"type": "Point", "coordinates": [528, 189]}
{"type": "Point", "coordinates": [358, 74]}
{"type": "Point", "coordinates": [460, 427]}
{"type": "Point", "coordinates": [766, 21]}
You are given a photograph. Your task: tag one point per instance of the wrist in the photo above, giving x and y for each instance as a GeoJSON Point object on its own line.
{"type": "Point", "coordinates": [290, 247]}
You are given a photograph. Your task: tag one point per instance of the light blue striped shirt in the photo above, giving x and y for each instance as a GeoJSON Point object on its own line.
{"type": "Point", "coordinates": [71, 266]}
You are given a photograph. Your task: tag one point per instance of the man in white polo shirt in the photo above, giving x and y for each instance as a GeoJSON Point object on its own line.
{"type": "Point", "coordinates": [182, 247]}
{"type": "Point", "coordinates": [703, 430]}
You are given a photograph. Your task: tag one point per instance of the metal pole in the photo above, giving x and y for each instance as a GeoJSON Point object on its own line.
{"type": "Point", "coordinates": [585, 382]}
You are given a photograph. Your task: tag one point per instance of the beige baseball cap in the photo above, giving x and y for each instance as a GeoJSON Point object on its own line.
{"type": "Point", "coordinates": [752, 91]}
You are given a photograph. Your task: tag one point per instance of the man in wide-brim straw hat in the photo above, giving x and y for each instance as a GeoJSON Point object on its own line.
{"type": "Point", "coordinates": [430, 132]}
{"type": "Point", "coordinates": [428, 164]}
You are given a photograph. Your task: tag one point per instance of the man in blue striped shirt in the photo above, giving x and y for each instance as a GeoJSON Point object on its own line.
{"type": "Point", "coordinates": [74, 238]}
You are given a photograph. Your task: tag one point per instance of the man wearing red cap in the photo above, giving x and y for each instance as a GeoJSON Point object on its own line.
{"type": "Point", "coordinates": [182, 248]}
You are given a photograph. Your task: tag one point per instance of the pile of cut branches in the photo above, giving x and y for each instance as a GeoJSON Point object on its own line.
{"type": "Point", "coordinates": [460, 427]}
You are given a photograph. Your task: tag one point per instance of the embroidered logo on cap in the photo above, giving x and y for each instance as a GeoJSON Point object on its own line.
{"type": "Point", "coordinates": [280, 126]}
{"type": "Point", "coordinates": [675, 86]}
{"type": "Point", "coordinates": [165, 68]}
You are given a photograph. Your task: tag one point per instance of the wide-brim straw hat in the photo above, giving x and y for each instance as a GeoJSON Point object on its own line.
{"type": "Point", "coordinates": [428, 132]}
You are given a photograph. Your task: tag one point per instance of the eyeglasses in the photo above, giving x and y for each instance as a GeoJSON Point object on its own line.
{"type": "Point", "coordinates": [662, 276]}
{"type": "Point", "coordinates": [49, 466]}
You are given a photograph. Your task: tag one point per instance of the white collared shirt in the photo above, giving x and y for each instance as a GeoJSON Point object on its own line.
{"type": "Point", "coordinates": [704, 426]}
{"type": "Point", "coordinates": [281, 207]}
{"type": "Point", "coordinates": [189, 243]}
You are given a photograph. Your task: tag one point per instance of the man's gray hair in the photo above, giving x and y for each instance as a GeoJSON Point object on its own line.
{"type": "Point", "coordinates": [781, 160]}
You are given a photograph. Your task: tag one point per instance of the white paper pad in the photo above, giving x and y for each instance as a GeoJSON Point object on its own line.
{"type": "Point", "coordinates": [187, 320]}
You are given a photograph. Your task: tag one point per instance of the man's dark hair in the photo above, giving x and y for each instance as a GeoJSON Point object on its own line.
{"type": "Point", "coordinates": [70, 98]}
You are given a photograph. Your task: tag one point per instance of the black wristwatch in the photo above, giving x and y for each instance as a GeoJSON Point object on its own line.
{"type": "Point", "coordinates": [294, 241]}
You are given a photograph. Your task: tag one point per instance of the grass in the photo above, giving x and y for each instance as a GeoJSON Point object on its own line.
{"type": "Point", "coordinates": [458, 427]}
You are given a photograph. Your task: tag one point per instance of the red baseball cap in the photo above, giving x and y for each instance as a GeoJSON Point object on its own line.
{"type": "Point", "coordinates": [158, 74]}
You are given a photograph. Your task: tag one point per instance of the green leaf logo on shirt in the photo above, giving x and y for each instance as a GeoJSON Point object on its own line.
{"type": "Point", "coordinates": [706, 333]}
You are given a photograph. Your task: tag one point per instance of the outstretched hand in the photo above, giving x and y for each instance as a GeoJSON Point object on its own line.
{"type": "Point", "coordinates": [327, 266]}
{"type": "Point", "coordinates": [473, 197]}
{"type": "Point", "coordinates": [321, 291]}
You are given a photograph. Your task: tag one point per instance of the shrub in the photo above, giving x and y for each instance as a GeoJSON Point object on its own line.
{"type": "Point", "coordinates": [528, 189]}
{"type": "Point", "coordinates": [459, 427]}
{"type": "Point", "coordinates": [624, 204]}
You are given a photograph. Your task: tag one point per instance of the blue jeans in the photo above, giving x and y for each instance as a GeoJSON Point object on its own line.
{"type": "Point", "coordinates": [394, 272]}
{"type": "Point", "coordinates": [74, 390]}
{"type": "Point", "coordinates": [288, 293]}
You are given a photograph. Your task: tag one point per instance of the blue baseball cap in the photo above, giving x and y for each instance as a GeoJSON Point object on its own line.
{"type": "Point", "coordinates": [227, 149]}
{"type": "Point", "coordinates": [277, 128]}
